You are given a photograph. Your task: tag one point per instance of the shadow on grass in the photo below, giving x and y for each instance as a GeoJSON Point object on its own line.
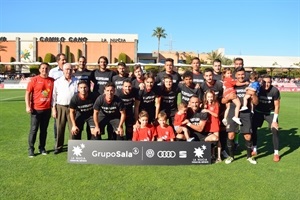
{"type": "Point", "coordinates": [287, 138]}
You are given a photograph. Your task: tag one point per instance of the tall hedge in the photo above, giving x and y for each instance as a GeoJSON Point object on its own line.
{"type": "Point", "coordinates": [79, 53]}
{"type": "Point", "coordinates": [49, 57]}
{"type": "Point", "coordinates": [123, 57]}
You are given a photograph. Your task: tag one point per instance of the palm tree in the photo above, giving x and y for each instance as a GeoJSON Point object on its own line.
{"type": "Point", "coordinates": [159, 32]}
{"type": "Point", "coordinates": [214, 55]}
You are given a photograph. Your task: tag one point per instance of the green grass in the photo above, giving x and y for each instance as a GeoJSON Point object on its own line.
{"type": "Point", "coordinates": [51, 177]}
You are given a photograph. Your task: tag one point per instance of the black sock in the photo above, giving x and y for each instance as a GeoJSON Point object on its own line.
{"type": "Point", "coordinates": [275, 137]}
{"type": "Point", "coordinates": [230, 146]}
{"type": "Point", "coordinates": [248, 147]}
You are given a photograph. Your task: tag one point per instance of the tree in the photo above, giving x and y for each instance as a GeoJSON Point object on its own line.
{"type": "Point", "coordinates": [123, 57]}
{"type": "Point", "coordinates": [214, 55]}
{"type": "Point", "coordinates": [159, 32]}
{"type": "Point", "coordinates": [49, 57]}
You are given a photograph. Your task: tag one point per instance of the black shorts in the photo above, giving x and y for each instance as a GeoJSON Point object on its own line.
{"type": "Point", "coordinates": [246, 119]}
{"type": "Point", "coordinates": [80, 122]}
{"type": "Point", "coordinates": [198, 136]}
{"type": "Point", "coordinates": [107, 121]}
{"type": "Point", "coordinates": [259, 118]}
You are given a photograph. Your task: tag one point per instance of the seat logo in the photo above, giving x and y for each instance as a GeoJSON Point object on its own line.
{"type": "Point", "coordinates": [166, 154]}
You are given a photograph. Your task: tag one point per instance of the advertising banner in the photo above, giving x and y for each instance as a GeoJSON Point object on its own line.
{"type": "Point", "coordinates": [139, 153]}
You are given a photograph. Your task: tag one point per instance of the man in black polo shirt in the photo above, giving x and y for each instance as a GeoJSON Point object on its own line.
{"type": "Point", "coordinates": [109, 110]}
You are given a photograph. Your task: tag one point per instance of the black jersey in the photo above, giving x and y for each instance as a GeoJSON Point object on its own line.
{"type": "Point", "coordinates": [266, 100]}
{"type": "Point", "coordinates": [109, 110]}
{"type": "Point", "coordinates": [85, 75]}
{"type": "Point", "coordinates": [136, 84]}
{"type": "Point", "coordinates": [198, 78]}
{"type": "Point", "coordinates": [147, 100]}
{"type": "Point", "coordinates": [101, 79]}
{"type": "Point", "coordinates": [240, 92]}
{"type": "Point", "coordinates": [217, 88]}
{"type": "Point", "coordinates": [196, 117]}
{"type": "Point", "coordinates": [128, 101]}
{"type": "Point", "coordinates": [160, 77]}
{"type": "Point", "coordinates": [118, 81]}
{"type": "Point", "coordinates": [168, 102]}
{"type": "Point", "coordinates": [83, 107]}
{"type": "Point", "coordinates": [187, 92]}
{"type": "Point", "coordinates": [217, 77]}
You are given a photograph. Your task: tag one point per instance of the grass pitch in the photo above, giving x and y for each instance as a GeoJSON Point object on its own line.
{"type": "Point", "coordinates": [51, 177]}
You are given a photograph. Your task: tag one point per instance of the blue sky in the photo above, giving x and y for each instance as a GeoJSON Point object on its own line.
{"type": "Point", "coordinates": [257, 27]}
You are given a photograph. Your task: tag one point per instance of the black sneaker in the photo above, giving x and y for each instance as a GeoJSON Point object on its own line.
{"type": "Point", "coordinates": [43, 152]}
{"type": "Point", "coordinates": [31, 153]}
{"type": "Point", "coordinates": [57, 151]}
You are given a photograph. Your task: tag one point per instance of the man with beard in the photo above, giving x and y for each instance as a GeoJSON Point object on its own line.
{"type": "Point", "coordinates": [82, 73]}
{"type": "Point", "coordinates": [267, 109]}
{"type": "Point", "coordinates": [216, 86]}
{"type": "Point", "coordinates": [121, 76]}
{"type": "Point", "coordinates": [246, 118]}
{"type": "Point", "coordinates": [108, 110]}
{"type": "Point", "coordinates": [128, 97]}
{"type": "Point", "coordinates": [81, 110]}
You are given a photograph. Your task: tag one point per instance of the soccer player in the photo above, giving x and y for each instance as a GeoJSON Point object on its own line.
{"type": "Point", "coordinates": [217, 72]}
{"type": "Point", "coordinates": [245, 116]}
{"type": "Point", "coordinates": [102, 75]}
{"type": "Point", "coordinates": [188, 88]}
{"type": "Point", "coordinates": [82, 73]}
{"type": "Point", "coordinates": [212, 84]}
{"type": "Point", "coordinates": [128, 97]}
{"type": "Point", "coordinates": [267, 109]}
{"type": "Point", "coordinates": [109, 110]}
{"type": "Point", "coordinates": [197, 75]}
{"type": "Point", "coordinates": [38, 98]}
{"type": "Point", "coordinates": [168, 98]}
{"type": "Point", "coordinates": [81, 109]}
{"type": "Point", "coordinates": [121, 76]}
{"type": "Point", "coordinates": [148, 99]}
{"type": "Point", "coordinates": [196, 119]}
{"type": "Point", "coordinates": [169, 65]}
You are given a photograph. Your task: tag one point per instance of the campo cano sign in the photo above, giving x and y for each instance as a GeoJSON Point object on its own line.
{"type": "Point", "coordinates": [139, 153]}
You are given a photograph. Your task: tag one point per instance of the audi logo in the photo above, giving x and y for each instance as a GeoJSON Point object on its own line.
{"type": "Point", "coordinates": [166, 154]}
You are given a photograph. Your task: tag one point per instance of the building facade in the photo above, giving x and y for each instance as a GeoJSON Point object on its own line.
{"type": "Point", "coordinates": [32, 47]}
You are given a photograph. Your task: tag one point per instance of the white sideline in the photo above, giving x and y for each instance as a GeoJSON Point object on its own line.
{"type": "Point", "coordinates": [11, 98]}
